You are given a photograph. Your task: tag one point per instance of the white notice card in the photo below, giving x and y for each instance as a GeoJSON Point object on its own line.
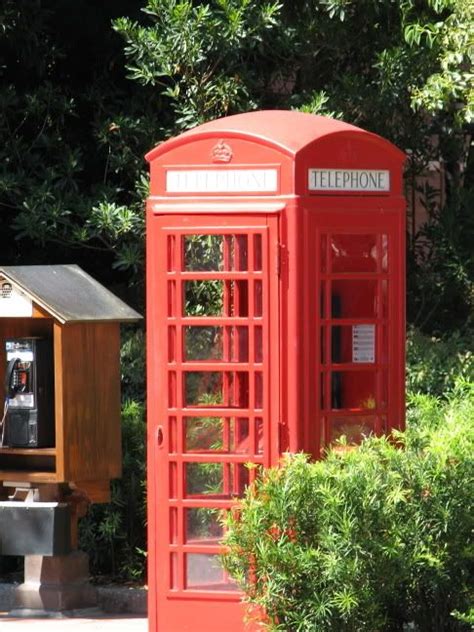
{"type": "Point", "coordinates": [13, 302]}
{"type": "Point", "coordinates": [363, 343]}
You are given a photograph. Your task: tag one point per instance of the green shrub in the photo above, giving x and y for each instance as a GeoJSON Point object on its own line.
{"type": "Point", "coordinates": [435, 364]}
{"type": "Point", "coordinates": [113, 534]}
{"type": "Point", "coordinates": [371, 539]}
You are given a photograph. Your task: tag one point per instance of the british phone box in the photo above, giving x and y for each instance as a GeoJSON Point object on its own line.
{"type": "Point", "coordinates": [276, 284]}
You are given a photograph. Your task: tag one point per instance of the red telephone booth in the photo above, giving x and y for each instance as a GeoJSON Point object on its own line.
{"type": "Point", "coordinates": [275, 280]}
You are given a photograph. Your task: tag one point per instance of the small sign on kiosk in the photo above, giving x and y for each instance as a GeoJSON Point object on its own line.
{"type": "Point", "coordinates": [14, 302]}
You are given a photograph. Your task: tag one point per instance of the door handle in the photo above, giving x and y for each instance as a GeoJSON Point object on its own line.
{"type": "Point", "coordinates": [160, 437]}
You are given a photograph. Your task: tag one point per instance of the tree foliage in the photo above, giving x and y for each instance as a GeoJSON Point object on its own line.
{"type": "Point", "coordinates": [80, 108]}
{"type": "Point", "coordinates": [452, 40]}
{"type": "Point", "coordinates": [207, 59]}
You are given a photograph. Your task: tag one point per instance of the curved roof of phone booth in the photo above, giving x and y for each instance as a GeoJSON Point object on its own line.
{"type": "Point", "coordinates": [287, 130]}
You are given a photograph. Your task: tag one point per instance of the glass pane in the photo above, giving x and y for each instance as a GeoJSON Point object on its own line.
{"type": "Point", "coordinates": [203, 343]}
{"type": "Point", "coordinates": [215, 388]}
{"type": "Point", "coordinates": [238, 391]}
{"type": "Point", "coordinates": [324, 379]}
{"type": "Point", "coordinates": [322, 300]}
{"type": "Point", "coordinates": [258, 344]}
{"type": "Point", "coordinates": [384, 249]}
{"type": "Point", "coordinates": [173, 470]}
{"type": "Point", "coordinates": [240, 436]}
{"type": "Point", "coordinates": [204, 572]}
{"type": "Point", "coordinates": [236, 300]}
{"type": "Point", "coordinates": [216, 434]}
{"type": "Point", "coordinates": [258, 389]}
{"type": "Point", "coordinates": [203, 524]}
{"type": "Point", "coordinates": [216, 479]}
{"type": "Point", "coordinates": [239, 253]}
{"type": "Point", "coordinates": [172, 390]}
{"type": "Point", "coordinates": [173, 434]}
{"type": "Point", "coordinates": [257, 253]}
{"type": "Point", "coordinates": [230, 344]}
{"type": "Point", "coordinates": [353, 389]}
{"type": "Point", "coordinates": [258, 298]}
{"type": "Point", "coordinates": [384, 298]}
{"type": "Point", "coordinates": [208, 253]}
{"type": "Point", "coordinates": [353, 344]}
{"type": "Point", "coordinates": [171, 344]}
{"type": "Point", "coordinates": [204, 388]}
{"type": "Point", "coordinates": [173, 525]}
{"type": "Point", "coordinates": [203, 252]}
{"type": "Point", "coordinates": [354, 428]}
{"type": "Point", "coordinates": [354, 299]}
{"type": "Point", "coordinates": [383, 377]}
{"type": "Point", "coordinates": [173, 571]}
{"type": "Point", "coordinates": [383, 349]}
{"type": "Point", "coordinates": [171, 298]}
{"type": "Point", "coordinates": [237, 346]}
{"type": "Point", "coordinates": [323, 345]}
{"type": "Point", "coordinates": [259, 434]}
{"type": "Point", "coordinates": [353, 253]}
{"type": "Point", "coordinates": [204, 434]}
{"type": "Point", "coordinates": [203, 298]}
{"type": "Point", "coordinates": [241, 479]}
{"type": "Point", "coordinates": [171, 253]}
{"type": "Point", "coordinates": [204, 479]}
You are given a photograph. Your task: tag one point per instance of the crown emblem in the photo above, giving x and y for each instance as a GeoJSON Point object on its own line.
{"type": "Point", "coordinates": [221, 152]}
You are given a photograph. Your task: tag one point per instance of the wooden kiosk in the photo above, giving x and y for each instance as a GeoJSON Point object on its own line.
{"type": "Point", "coordinates": [71, 445]}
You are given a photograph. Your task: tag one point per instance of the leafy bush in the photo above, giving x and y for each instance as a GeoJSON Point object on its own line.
{"type": "Point", "coordinates": [441, 264]}
{"type": "Point", "coordinates": [370, 539]}
{"type": "Point", "coordinates": [114, 534]}
{"type": "Point", "coordinates": [435, 364]}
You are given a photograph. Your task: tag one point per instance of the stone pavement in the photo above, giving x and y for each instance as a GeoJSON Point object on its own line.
{"type": "Point", "coordinates": [91, 620]}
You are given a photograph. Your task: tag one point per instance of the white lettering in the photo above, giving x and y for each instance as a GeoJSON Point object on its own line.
{"type": "Point", "coordinates": [221, 180]}
{"type": "Point", "coordinates": [328, 180]}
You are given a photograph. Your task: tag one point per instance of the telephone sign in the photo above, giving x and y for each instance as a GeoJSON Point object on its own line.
{"type": "Point", "coordinates": [348, 180]}
{"type": "Point", "coordinates": [222, 181]}
{"type": "Point", "coordinates": [275, 272]}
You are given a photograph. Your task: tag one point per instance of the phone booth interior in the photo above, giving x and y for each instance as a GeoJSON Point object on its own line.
{"type": "Point", "coordinates": [275, 284]}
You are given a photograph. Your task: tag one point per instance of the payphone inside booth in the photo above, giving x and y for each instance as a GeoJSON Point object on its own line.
{"type": "Point", "coordinates": [275, 284]}
{"type": "Point", "coordinates": [28, 419]}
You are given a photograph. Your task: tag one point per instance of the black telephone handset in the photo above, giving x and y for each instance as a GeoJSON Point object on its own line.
{"type": "Point", "coordinates": [10, 382]}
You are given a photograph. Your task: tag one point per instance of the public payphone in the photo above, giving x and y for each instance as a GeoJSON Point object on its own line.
{"type": "Point", "coordinates": [28, 419]}
{"type": "Point", "coordinates": [275, 272]}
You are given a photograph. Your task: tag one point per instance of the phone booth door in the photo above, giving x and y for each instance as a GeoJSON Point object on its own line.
{"type": "Point", "coordinates": [361, 325]}
{"type": "Point", "coordinates": [213, 397]}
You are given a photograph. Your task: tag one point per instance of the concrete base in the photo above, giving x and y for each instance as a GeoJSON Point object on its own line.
{"type": "Point", "coordinates": [56, 583]}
